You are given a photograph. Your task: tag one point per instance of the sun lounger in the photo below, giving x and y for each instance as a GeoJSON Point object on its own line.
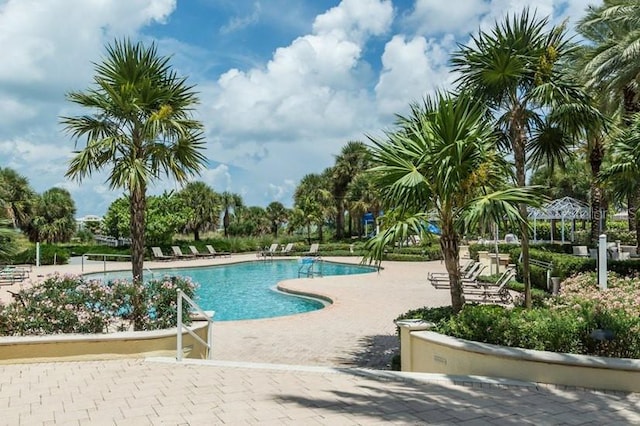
{"type": "Point", "coordinates": [214, 253]}
{"type": "Point", "coordinates": [272, 250]}
{"type": "Point", "coordinates": [468, 278]}
{"type": "Point", "coordinates": [491, 293]}
{"type": "Point", "coordinates": [464, 269]}
{"type": "Point", "coordinates": [287, 249]}
{"type": "Point", "coordinates": [313, 250]}
{"type": "Point", "coordinates": [158, 255]}
{"type": "Point", "coordinates": [198, 253]}
{"type": "Point", "coordinates": [177, 252]}
{"type": "Point", "coordinates": [11, 274]}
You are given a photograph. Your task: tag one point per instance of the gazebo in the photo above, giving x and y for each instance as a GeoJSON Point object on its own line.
{"type": "Point", "coordinates": [565, 208]}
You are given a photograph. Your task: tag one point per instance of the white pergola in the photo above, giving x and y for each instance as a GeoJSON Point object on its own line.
{"type": "Point", "coordinates": [566, 208]}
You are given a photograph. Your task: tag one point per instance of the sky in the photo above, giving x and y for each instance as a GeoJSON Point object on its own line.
{"type": "Point", "coordinates": [283, 84]}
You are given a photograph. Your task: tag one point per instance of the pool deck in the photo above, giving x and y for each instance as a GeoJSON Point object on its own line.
{"type": "Point", "coordinates": [312, 368]}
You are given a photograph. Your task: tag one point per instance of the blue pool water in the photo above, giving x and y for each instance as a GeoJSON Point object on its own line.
{"type": "Point", "coordinates": [246, 290]}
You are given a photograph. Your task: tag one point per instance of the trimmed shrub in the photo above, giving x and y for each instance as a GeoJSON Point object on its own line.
{"type": "Point", "coordinates": [50, 254]}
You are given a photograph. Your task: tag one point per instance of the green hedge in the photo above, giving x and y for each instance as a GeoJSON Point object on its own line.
{"type": "Point", "coordinates": [556, 330]}
{"type": "Point", "coordinates": [49, 255]}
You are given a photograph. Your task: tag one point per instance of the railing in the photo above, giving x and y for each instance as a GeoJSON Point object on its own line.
{"type": "Point", "coordinates": [206, 314]}
{"type": "Point", "coordinates": [104, 258]}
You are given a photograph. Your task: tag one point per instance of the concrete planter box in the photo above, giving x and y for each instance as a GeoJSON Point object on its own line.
{"type": "Point", "coordinates": [429, 352]}
{"type": "Point", "coordinates": [74, 347]}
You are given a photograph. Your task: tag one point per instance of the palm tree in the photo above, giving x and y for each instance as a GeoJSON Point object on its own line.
{"type": "Point", "coordinates": [230, 202]}
{"type": "Point", "coordinates": [517, 69]}
{"type": "Point", "coordinates": [141, 128]}
{"type": "Point", "coordinates": [362, 196]}
{"type": "Point", "coordinates": [277, 214]}
{"type": "Point", "coordinates": [16, 197]}
{"type": "Point", "coordinates": [204, 207]}
{"type": "Point", "coordinates": [610, 66]}
{"type": "Point", "coordinates": [53, 218]}
{"type": "Point", "coordinates": [353, 159]}
{"type": "Point", "coordinates": [442, 161]}
{"type": "Point", "coordinates": [312, 202]}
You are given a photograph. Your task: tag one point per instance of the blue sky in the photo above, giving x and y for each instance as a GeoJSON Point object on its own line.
{"type": "Point", "coordinates": [284, 84]}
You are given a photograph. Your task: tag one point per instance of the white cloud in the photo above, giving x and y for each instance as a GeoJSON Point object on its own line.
{"type": "Point", "coordinates": [435, 16]}
{"type": "Point", "coordinates": [411, 69]}
{"type": "Point", "coordinates": [240, 22]}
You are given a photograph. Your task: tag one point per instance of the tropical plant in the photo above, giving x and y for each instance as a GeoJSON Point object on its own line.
{"type": "Point", "coordinates": [362, 196]}
{"type": "Point", "coordinates": [277, 214]}
{"type": "Point", "coordinates": [312, 203]}
{"type": "Point", "coordinates": [353, 160]}
{"type": "Point", "coordinates": [16, 197]}
{"type": "Point", "coordinates": [53, 218]}
{"type": "Point", "coordinates": [203, 205]}
{"type": "Point", "coordinates": [141, 129]}
{"type": "Point", "coordinates": [442, 164]}
{"type": "Point", "coordinates": [517, 69]}
{"type": "Point", "coordinates": [230, 202]}
{"type": "Point", "coordinates": [610, 65]}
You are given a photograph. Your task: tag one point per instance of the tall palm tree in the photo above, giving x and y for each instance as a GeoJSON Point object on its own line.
{"type": "Point", "coordinates": [517, 69]}
{"type": "Point", "coordinates": [610, 66]}
{"type": "Point", "coordinates": [141, 129]}
{"type": "Point", "coordinates": [277, 214]}
{"type": "Point", "coordinates": [353, 159]}
{"type": "Point", "coordinates": [443, 161]}
{"type": "Point", "coordinates": [362, 196]}
{"type": "Point", "coordinates": [230, 202]}
{"type": "Point", "coordinates": [204, 207]}
{"type": "Point", "coordinates": [16, 197]}
{"type": "Point", "coordinates": [312, 202]}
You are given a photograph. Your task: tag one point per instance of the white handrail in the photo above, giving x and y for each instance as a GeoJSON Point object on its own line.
{"type": "Point", "coordinates": [208, 315]}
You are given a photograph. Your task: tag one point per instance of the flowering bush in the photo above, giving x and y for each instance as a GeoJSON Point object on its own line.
{"type": "Point", "coordinates": [72, 304]}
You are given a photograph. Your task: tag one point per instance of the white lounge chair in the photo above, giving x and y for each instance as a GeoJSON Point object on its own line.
{"type": "Point", "coordinates": [286, 250]}
{"type": "Point", "coordinates": [271, 251]}
{"type": "Point", "coordinates": [214, 253]}
{"type": "Point", "coordinates": [491, 293]}
{"type": "Point", "coordinates": [198, 253]}
{"type": "Point", "coordinates": [469, 278]}
{"type": "Point", "coordinates": [177, 251]}
{"type": "Point", "coordinates": [158, 255]}
{"type": "Point", "coordinates": [313, 250]}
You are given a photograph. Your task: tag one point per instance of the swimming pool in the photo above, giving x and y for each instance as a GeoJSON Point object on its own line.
{"type": "Point", "coordinates": [246, 290]}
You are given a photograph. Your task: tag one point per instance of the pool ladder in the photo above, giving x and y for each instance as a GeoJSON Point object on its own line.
{"type": "Point", "coordinates": [310, 267]}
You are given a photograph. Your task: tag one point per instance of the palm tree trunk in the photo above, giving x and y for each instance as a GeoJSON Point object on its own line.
{"type": "Point", "coordinates": [340, 218]}
{"type": "Point", "coordinates": [518, 137]}
{"type": "Point", "coordinates": [596, 155]}
{"type": "Point", "coordinates": [225, 222]}
{"type": "Point", "coordinates": [449, 244]}
{"type": "Point", "coordinates": [138, 206]}
{"type": "Point", "coordinates": [196, 234]}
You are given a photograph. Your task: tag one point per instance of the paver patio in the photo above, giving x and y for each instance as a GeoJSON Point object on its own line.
{"type": "Point", "coordinates": [297, 370]}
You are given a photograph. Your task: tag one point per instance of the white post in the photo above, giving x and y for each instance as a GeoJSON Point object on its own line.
{"type": "Point", "coordinates": [38, 254]}
{"type": "Point", "coordinates": [179, 325]}
{"type": "Point", "coordinates": [602, 262]}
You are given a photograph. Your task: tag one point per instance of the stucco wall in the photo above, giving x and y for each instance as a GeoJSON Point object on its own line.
{"type": "Point", "coordinates": [429, 352]}
{"type": "Point", "coordinates": [70, 347]}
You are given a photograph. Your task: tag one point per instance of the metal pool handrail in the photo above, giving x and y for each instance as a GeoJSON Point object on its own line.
{"type": "Point", "coordinates": [206, 314]}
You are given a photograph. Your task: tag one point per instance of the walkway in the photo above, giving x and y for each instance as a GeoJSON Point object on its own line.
{"type": "Point", "coordinates": [303, 369]}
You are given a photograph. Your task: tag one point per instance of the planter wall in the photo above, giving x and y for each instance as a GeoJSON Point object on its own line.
{"type": "Point", "coordinates": [428, 352]}
{"type": "Point", "coordinates": [73, 347]}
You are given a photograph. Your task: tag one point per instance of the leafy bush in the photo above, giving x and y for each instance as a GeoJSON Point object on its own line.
{"type": "Point", "coordinates": [565, 323]}
{"type": "Point", "coordinates": [50, 254]}
{"type": "Point", "coordinates": [71, 304]}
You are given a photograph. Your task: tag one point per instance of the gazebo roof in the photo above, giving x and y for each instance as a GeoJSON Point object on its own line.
{"type": "Point", "coordinates": [562, 208]}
